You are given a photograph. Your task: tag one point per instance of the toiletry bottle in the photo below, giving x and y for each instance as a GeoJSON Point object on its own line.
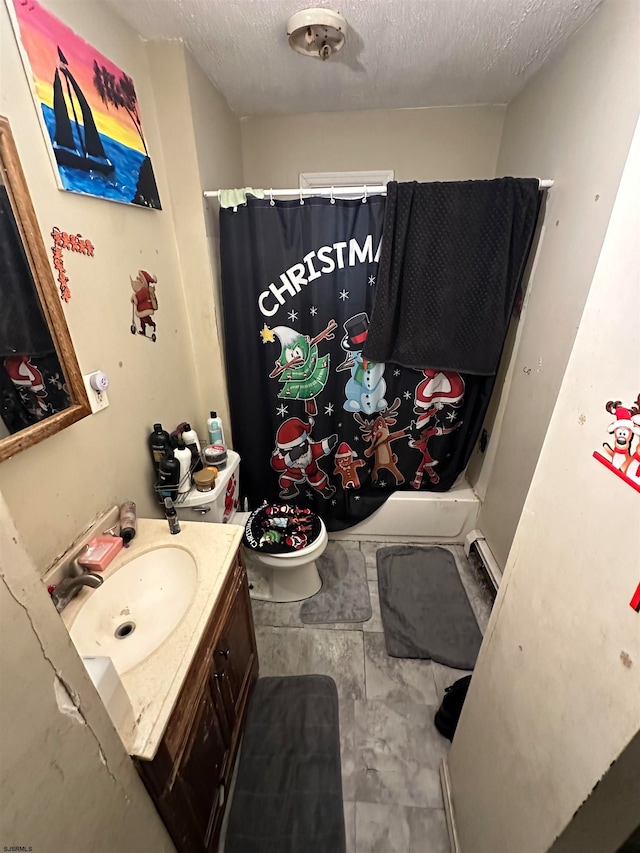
{"type": "Point", "coordinates": [159, 440]}
{"type": "Point", "coordinates": [190, 438]}
{"type": "Point", "coordinates": [172, 516]}
{"type": "Point", "coordinates": [127, 521]}
{"type": "Point", "coordinates": [168, 475]}
{"type": "Point", "coordinates": [214, 426]}
{"type": "Point", "coordinates": [183, 455]}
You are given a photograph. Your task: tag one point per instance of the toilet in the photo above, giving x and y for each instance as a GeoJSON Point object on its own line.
{"type": "Point", "coordinates": [291, 576]}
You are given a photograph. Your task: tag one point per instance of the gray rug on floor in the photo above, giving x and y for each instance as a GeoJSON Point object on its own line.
{"type": "Point", "coordinates": [425, 610]}
{"type": "Point", "coordinates": [344, 596]}
{"type": "Point", "coordinates": [288, 794]}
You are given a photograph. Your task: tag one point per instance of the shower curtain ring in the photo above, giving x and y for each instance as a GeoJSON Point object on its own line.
{"type": "Point", "coordinates": [301, 199]}
{"type": "Point", "coordinates": [272, 202]}
{"type": "Point", "coordinates": [364, 200]}
{"type": "Point", "coordinates": [333, 201]}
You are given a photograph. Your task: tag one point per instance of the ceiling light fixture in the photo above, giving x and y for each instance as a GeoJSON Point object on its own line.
{"type": "Point", "coordinates": [317, 32]}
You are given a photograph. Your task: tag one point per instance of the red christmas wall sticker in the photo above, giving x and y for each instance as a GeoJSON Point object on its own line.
{"type": "Point", "coordinates": [621, 454]}
{"type": "Point", "coordinates": [73, 243]}
{"type": "Point", "coordinates": [144, 304]}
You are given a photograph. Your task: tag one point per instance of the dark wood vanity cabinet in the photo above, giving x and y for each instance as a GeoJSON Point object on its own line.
{"type": "Point", "coordinates": [191, 773]}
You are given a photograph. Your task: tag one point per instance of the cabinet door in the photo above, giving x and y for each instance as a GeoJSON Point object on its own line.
{"type": "Point", "coordinates": [201, 768]}
{"type": "Point", "coordinates": [235, 654]}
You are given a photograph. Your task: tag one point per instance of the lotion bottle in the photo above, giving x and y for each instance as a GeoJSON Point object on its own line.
{"type": "Point", "coordinates": [214, 426]}
{"type": "Point", "coordinates": [127, 522]}
{"type": "Point", "coordinates": [183, 455]}
{"type": "Point", "coordinates": [190, 438]}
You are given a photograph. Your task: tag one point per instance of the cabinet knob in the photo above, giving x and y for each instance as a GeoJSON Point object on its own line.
{"type": "Point", "coordinates": [225, 653]}
{"type": "Point", "coordinates": [218, 675]}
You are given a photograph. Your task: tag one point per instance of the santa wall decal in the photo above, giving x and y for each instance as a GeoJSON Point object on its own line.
{"type": "Point", "coordinates": [621, 454]}
{"type": "Point", "coordinates": [144, 304]}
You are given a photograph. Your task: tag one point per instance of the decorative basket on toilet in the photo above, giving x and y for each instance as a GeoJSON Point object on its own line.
{"type": "Point", "coordinates": [283, 577]}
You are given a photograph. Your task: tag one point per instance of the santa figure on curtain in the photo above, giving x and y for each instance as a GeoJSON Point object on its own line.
{"type": "Point", "coordinates": [295, 458]}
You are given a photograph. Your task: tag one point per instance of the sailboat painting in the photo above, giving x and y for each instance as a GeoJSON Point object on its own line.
{"type": "Point", "coordinates": [89, 110]}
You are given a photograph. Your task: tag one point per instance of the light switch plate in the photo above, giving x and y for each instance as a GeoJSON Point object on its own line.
{"type": "Point", "coordinates": [97, 399]}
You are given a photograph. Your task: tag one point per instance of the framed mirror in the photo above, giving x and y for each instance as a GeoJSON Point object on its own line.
{"type": "Point", "coordinates": [41, 387]}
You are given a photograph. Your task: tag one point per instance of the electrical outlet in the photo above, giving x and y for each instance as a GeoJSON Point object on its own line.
{"type": "Point", "coordinates": [98, 399]}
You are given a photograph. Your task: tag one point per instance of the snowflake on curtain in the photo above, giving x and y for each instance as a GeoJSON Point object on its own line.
{"type": "Point", "coordinates": [407, 395]}
{"type": "Point", "coordinates": [313, 310]}
{"type": "Point", "coordinates": [372, 280]}
{"type": "Point", "coordinates": [334, 502]}
{"type": "Point", "coordinates": [282, 410]}
{"type": "Point", "coordinates": [57, 380]}
{"type": "Point", "coordinates": [328, 410]}
{"type": "Point", "coordinates": [356, 438]}
{"type": "Point", "coordinates": [452, 416]}
{"type": "Point", "coordinates": [356, 497]}
{"type": "Point", "coordinates": [344, 294]}
{"type": "Point", "coordinates": [309, 494]}
{"type": "Point", "coordinates": [396, 372]}
{"type": "Point", "coordinates": [292, 315]}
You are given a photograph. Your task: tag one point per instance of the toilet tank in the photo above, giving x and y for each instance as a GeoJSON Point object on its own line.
{"type": "Point", "coordinates": [220, 504]}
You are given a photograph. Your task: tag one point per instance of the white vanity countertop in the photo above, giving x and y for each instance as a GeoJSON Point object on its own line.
{"type": "Point", "coordinates": [154, 684]}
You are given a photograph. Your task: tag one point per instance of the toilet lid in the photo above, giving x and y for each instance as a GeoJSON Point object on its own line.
{"type": "Point", "coordinates": [281, 529]}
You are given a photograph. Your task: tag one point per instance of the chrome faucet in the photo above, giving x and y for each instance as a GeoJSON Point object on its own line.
{"type": "Point", "coordinates": [69, 587]}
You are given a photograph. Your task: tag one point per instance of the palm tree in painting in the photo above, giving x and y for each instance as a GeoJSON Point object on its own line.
{"type": "Point", "coordinates": [121, 93]}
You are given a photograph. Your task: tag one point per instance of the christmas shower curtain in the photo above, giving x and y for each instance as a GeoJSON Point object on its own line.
{"type": "Point", "coordinates": [315, 423]}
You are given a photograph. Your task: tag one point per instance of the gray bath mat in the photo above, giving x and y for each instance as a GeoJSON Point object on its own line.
{"type": "Point", "coordinates": [288, 794]}
{"type": "Point", "coordinates": [344, 596]}
{"type": "Point", "coordinates": [425, 610]}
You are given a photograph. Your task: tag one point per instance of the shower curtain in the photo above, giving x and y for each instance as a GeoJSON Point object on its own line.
{"type": "Point", "coordinates": [314, 422]}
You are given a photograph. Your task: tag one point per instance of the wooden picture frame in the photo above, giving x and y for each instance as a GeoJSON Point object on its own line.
{"type": "Point", "coordinates": [24, 213]}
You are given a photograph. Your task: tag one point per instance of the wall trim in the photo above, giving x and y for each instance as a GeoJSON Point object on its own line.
{"type": "Point", "coordinates": [445, 784]}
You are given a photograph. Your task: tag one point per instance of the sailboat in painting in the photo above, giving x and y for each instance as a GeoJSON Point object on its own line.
{"type": "Point", "coordinates": [76, 144]}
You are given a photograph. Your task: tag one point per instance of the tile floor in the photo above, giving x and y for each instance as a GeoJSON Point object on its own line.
{"type": "Point", "coordinates": [390, 748]}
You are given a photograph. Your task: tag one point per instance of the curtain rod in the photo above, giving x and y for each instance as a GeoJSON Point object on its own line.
{"type": "Point", "coordinates": [369, 189]}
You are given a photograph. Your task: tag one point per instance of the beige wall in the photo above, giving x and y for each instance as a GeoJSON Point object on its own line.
{"type": "Point", "coordinates": [555, 696]}
{"type": "Point", "coordinates": [204, 154]}
{"type": "Point", "coordinates": [57, 487]}
{"type": "Point", "coordinates": [445, 144]}
{"type": "Point", "coordinates": [67, 782]}
{"type": "Point", "coordinates": [573, 123]}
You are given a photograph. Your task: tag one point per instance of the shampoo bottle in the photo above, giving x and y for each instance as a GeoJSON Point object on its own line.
{"type": "Point", "coordinates": [168, 475]}
{"type": "Point", "coordinates": [183, 455]}
{"type": "Point", "coordinates": [214, 426]}
{"type": "Point", "coordinates": [159, 440]}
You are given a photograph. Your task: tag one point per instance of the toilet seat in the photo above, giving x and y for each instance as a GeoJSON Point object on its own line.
{"type": "Point", "coordinates": [284, 577]}
{"type": "Point", "coordinates": [281, 529]}
{"type": "Point", "coordinates": [292, 559]}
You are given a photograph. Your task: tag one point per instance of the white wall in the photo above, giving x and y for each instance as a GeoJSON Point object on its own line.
{"type": "Point", "coordinates": [573, 123]}
{"type": "Point", "coordinates": [57, 487]}
{"type": "Point", "coordinates": [448, 144]}
{"type": "Point", "coordinates": [67, 782]}
{"type": "Point", "coordinates": [204, 154]}
{"type": "Point", "coordinates": [555, 697]}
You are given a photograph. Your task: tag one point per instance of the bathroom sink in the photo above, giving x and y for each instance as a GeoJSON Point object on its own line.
{"type": "Point", "coordinates": [137, 607]}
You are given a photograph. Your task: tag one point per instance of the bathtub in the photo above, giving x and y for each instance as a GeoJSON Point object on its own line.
{"type": "Point", "coordinates": [425, 516]}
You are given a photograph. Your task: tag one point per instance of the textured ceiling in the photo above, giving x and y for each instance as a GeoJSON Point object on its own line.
{"type": "Point", "coordinates": [399, 53]}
